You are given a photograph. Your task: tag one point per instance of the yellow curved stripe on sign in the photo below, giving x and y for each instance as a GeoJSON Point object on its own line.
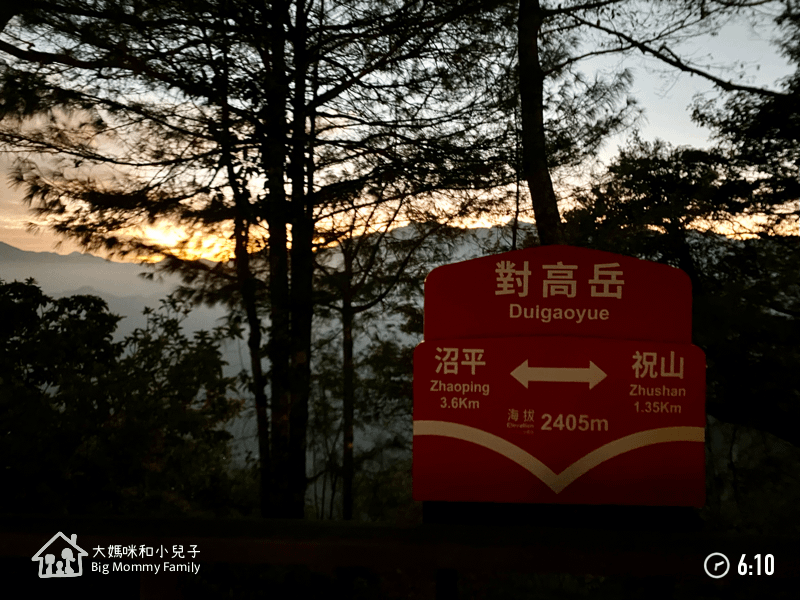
{"type": "Point", "coordinates": [557, 482]}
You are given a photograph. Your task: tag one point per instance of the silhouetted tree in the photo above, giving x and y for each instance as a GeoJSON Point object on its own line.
{"type": "Point", "coordinates": [358, 275]}
{"type": "Point", "coordinates": [554, 38]}
{"type": "Point", "coordinates": [252, 122]}
{"type": "Point", "coordinates": [664, 204]}
{"type": "Point", "coordinates": [92, 426]}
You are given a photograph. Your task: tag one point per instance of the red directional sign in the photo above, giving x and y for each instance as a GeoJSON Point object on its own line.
{"type": "Point", "coordinates": [558, 290]}
{"type": "Point", "coordinates": [559, 420]}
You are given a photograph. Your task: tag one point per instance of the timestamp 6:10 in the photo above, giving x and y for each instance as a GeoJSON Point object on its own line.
{"type": "Point", "coordinates": [747, 569]}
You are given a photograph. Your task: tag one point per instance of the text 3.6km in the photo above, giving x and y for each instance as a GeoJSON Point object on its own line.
{"type": "Point", "coordinates": [459, 403]}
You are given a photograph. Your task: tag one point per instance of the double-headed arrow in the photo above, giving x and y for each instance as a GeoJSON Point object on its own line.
{"type": "Point", "coordinates": [525, 374]}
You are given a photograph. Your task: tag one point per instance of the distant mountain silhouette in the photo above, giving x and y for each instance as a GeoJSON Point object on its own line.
{"type": "Point", "coordinates": [59, 274]}
{"type": "Point", "coordinates": [11, 254]}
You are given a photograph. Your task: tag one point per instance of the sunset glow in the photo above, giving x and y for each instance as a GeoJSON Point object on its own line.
{"type": "Point", "coordinates": [174, 240]}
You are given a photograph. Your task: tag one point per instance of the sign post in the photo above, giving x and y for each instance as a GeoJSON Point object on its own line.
{"type": "Point", "coordinates": [559, 375]}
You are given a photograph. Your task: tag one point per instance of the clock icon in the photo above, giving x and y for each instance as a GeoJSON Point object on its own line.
{"type": "Point", "coordinates": [716, 565]}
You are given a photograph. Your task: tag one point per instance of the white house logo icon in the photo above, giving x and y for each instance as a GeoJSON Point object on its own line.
{"type": "Point", "coordinates": [68, 563]}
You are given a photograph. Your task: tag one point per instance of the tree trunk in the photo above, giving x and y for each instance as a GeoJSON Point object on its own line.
{"type": "Point", "coordinates": [348, 391]}
{"type": "Point", "coordinates": [247, 286]}
{"type": "Point", "coordinates": [534, 151]}
{"type": "Point", "coordinates": [247, 283]}
{"type": "Point", "coordinates": [676, 233]}
{"type": "Point", "coordinates": [277, 215]}
{"type": "Point", "coordinates": [302, 272]}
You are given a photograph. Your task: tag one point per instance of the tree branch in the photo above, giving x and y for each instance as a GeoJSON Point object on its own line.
{"type": "Point", "coordinates": [665, 55]}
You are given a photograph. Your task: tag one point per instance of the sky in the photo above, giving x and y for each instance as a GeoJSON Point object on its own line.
{"type": "Point", "coordinates": [665, 96]}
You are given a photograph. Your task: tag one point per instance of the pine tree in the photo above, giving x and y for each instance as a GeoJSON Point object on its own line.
{"type": "Point", "coordinates": [256, 125]}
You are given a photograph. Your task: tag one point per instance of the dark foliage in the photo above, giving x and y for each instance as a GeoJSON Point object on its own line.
{"type": "Point", "coordinates": [90, 426]}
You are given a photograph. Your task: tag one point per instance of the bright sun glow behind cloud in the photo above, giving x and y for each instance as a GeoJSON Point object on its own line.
{"type": "Point", "coordinates": [170, 238]}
